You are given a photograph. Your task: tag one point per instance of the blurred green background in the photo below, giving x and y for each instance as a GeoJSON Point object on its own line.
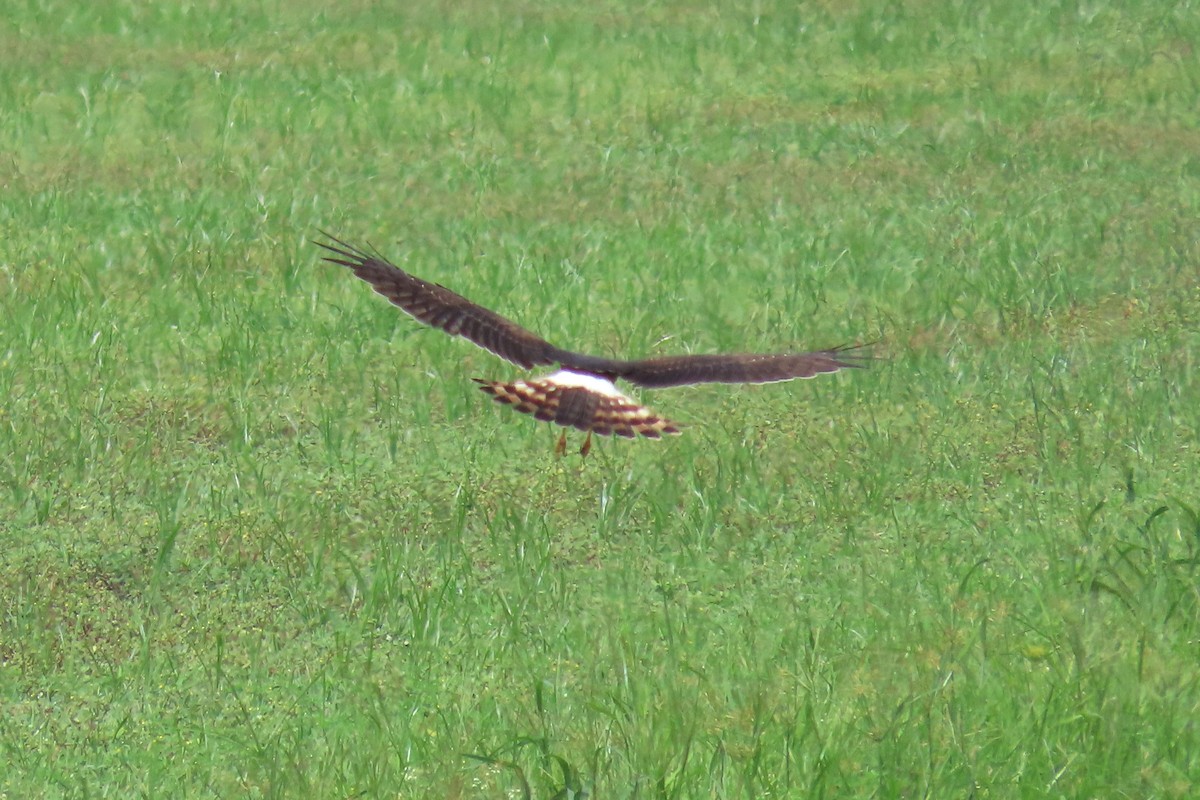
{"type": "Point", "coordinates": [262, 537]}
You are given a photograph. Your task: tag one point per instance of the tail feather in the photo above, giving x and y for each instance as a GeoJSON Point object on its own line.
{"type": "Point", "coordinates": [602, 413]}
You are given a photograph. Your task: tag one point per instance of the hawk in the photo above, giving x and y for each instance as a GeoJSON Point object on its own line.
{"type": "Point", "coordinates": [583, 392]}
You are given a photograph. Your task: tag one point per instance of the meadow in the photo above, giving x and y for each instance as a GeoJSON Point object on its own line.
{"type": "Point", "coordinates": [262, 537]}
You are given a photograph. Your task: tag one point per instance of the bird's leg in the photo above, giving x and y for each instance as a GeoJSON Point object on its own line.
{"type": "Point", "coordinates": [561, 447]}
{"type": "Point", "coordinates": [587, 446]}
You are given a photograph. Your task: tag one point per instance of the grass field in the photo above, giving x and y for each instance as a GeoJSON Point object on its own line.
{"type": "Point", "coordinates": [262, 537]}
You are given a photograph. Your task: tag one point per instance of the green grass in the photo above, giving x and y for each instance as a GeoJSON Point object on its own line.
{"type": "Point", "coordinates": [262, 537]}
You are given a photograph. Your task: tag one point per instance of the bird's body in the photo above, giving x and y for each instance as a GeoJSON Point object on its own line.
{"type": "Point", "coordinates": [583, 392]}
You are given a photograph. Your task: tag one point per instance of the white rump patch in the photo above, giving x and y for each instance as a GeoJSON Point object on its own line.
{"type": "Point", "coordinates": [582, 380]}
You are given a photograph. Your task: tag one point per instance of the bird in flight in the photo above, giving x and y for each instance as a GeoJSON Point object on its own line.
{"type": "Point", "coordinates": [583, 392]}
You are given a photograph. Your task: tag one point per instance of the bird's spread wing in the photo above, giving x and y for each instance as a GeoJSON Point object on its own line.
{"type": "Point", "coordinates": [659, 373]}
{"type": "Point", "coordinates": [441, 308]}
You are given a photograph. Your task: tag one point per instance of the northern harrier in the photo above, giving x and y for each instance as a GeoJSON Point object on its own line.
{"type": "Point", "coordinates": [583, 392]}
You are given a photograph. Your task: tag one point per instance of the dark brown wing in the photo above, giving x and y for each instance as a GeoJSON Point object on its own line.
{"type": "Point", "coordinates": [438, 306]}
{"type": "Point", "coordinates": [659, 373]}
